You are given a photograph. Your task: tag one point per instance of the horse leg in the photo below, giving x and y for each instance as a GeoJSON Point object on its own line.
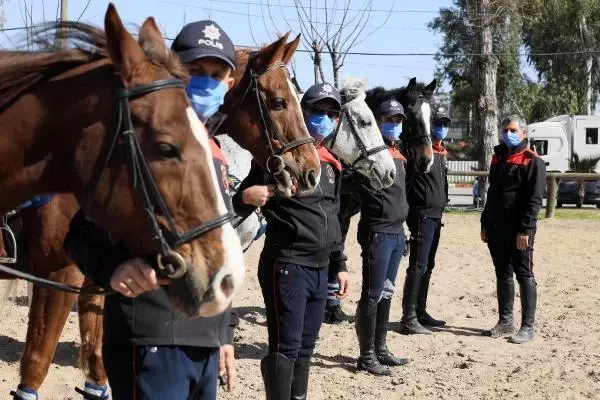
{"type": "Point", "coordinates": [91, 312]}
{"type": "Point", "coordinates": [47, 317]}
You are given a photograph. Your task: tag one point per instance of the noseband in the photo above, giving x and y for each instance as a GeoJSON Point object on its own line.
{"type": "Point", "coordinates": [170, 264]}
{"type": "Point", "coordinates": [275, 164]}
{"type": "Point", "coordinates": [364, 152]}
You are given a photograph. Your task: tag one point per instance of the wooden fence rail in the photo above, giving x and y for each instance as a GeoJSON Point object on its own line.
{"type": "Point", "coordinates": [552, 178]}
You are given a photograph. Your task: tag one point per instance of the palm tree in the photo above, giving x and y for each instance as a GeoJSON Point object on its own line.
{"type": "Point", "coordinates": [583, 165]}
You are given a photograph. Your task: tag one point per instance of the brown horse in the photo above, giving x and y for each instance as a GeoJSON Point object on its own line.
{"type": "Point", "coordinates": [46, 227]}
{"type": "Point", "coordinates": [112, 126]}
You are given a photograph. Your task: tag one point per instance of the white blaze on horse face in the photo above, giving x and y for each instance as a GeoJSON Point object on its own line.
{"type": "Point", "coordinates": [426, 113]}
{"type": "Point", "coordinates": [233, 257]}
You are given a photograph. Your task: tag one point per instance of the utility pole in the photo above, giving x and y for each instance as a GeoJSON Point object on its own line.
{"type": "Point", "coordinates": [64, 16]}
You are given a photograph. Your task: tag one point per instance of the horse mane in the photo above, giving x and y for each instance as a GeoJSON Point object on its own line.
{"type": "Point", "coordinates": [60, 47]}
{"type": "Point", "coordinates": [242, 57]}
{"type": "Point", "coordinates": [352, 88]}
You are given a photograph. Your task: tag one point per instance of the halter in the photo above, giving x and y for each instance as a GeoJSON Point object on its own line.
{"type": "Point", "coordinates": [275, 164]}
{"type": "Point", "coordinates": [170, 264]}
{"type": "Point", "coordinates": [364, 152]}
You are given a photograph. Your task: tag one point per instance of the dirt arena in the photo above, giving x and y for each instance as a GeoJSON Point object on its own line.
{"type": "Point", "coordinates": [563, 361]}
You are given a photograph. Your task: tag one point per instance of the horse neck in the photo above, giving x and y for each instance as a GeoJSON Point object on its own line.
{"type": "Point", "coordinates": [43, 129]}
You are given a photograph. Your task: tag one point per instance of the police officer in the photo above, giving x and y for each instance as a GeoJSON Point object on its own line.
{"type": "Point", "coordinates": [427, 197]}
{"type": "Point", "coordinates": [381, 238]}
{"type": "Point", "coordinates": [303, 239]}
{"type": "Point", "coordinates": [508, 225]}
{"type": "Point", "coordinates": [173, 358]}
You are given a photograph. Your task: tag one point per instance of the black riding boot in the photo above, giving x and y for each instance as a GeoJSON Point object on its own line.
{"type": "Point", "coordinates": [366, 319]}
{"type": "Point", "coordinates": [528, 302]}
{"type": "Point", "coordinates": [277, 371]}
{"type": "Point", "coordinates": [384, 355]}
{"type": "Point", "coordinates": [300, 381]}
{"type": "Point", "coordinates": [410, 323]}
{"type": "Point", "coordinates": [505, 289]}
{"type": "Point", "coordinates": [335, 315]}
{"type": "Point", "coordinates": [423, 316]}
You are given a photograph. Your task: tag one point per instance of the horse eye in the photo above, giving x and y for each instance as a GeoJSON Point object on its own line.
{"type": "Point", "coordinates": [278, 103]}
{"type": "Point", "coordinates": [166, 150]}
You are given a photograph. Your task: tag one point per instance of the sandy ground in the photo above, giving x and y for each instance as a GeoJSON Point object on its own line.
{"type": "Point", "coordinates": [563, 362]}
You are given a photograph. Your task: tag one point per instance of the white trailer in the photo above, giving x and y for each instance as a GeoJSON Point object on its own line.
{"type": "Point", "coordinates": [557, 138]}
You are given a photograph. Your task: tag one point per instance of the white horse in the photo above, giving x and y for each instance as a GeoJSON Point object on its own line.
{"type": "Point", "coordinates": [358, 141]}
{"type": "Point", "coordinates": [253, 226]}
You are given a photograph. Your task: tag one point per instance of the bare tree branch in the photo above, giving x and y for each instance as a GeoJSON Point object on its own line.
{"type": "Point", "coordinates": [250, 26]}
{"type": "Point", "coordinates": [84, 10]}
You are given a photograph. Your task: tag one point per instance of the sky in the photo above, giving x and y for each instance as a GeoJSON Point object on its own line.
{"type": "Point", "coordinates": [404, 32]}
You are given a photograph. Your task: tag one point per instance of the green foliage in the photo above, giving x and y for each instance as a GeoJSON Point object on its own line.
{"type": "Point", "coordinates": [583, 165]}
{"type": "Point", "coordinates": [539, 27]}
{"type": "Point", "coordinates": [555, 27]}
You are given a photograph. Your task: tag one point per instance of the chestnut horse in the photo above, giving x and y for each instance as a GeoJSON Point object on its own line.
{"type": "Point", "coordinates": [111, 125]}
{"type": "Point", "coordinates": [46, 226]}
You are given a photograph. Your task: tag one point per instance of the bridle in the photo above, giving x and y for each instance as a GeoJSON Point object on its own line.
{"type": "Point", "coordinates": [364, 152]}
{"type": "Point", "coordinates": [170, 264]}
{"type": "Point", "coordinates": [275, 164]}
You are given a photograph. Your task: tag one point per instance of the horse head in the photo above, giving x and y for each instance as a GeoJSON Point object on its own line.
{"type": "Point", "coordinates": [357, 139]}
{"type": "Point", "coordinates": [265, 117]}
{"type": "Point", "coordinates": [130, 148]}
{"type": "Point", "coordinates": [416, 132]}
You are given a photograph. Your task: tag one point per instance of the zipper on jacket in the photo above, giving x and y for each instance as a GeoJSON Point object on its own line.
{"type": "Point", "coordinates": [324, 213]}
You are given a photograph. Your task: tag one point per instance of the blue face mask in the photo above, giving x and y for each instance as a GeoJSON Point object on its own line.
{"type": "Point", "coordinates": [512, 139]}
{"type": "Point", "coordinates": [391, 130]}
{"type": "Point", "coordinates": [440, 132]}
{"type": "Point", "coordinates": [319, 126]}
{"type": "Point", "coordinates": [206, 95]}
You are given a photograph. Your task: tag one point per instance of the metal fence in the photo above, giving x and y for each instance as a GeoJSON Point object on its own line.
{"type": "Point", "coordinates": [461, 166]}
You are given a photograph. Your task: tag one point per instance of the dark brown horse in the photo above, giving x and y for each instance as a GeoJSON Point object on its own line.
{"type": "Point", "coordinates": [46, 227]}
{"type": "Point", "coordinates": [112, 126]}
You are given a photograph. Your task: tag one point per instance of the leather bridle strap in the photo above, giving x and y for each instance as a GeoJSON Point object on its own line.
{"type": "Point", "coordinates": [275, 164]}
{"type": "Point", "coordinates": [364, 152]}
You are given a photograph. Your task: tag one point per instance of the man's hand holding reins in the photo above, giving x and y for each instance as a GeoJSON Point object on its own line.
{"type": "Point", "coordinates": [258, 195]}
{"type": "Point", "coordinates": [135, 277]}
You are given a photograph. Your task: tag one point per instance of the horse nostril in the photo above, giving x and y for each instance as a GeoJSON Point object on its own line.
{"type": "Point", "coordinates": [311, 178]}
{"type": "Point", "coordinates": [392, 175]}
{"type": "Point", "coordinates": [227, 286]}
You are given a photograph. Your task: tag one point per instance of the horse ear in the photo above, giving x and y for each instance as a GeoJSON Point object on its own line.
{"type": "Point", "coordinates": [124, 51]}
{"type": "Point", "coordinates": [290, 49]}
{"type": "Point", "coordinates": [272, 53]}
{"type": "Point", "coordinates": [431, 87]}
{"type": "Point", "coordinates": [151, 40]}
{"type": "Point", "coordinates": [412, 84]}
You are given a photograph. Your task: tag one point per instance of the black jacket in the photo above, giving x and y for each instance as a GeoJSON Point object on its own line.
{"type": "Point", "coordinates": [149, 319]}
{"type": "Point", "coordinates": [514, 199]}
{"type": "Point", "coordinates": [427, 194]}
{"type": "Point", "coordinates": [385, 210]}
{"type": "Point", "coordinates": [302, 230]}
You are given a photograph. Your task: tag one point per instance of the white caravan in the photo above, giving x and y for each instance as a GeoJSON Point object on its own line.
{"type": "Point", "coordinates": [557, 138]}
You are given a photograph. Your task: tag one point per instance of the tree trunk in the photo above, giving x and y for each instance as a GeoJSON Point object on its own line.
{"type": "Point", "coordinates": [317, 61]}
{"type": "Point", "coordinates": [335, 60]}
{"type": "Point", "coordinates": [321, 73]}
{"type": "Point", "coordinates": [588, 45]}
{"type": "Point", "coordinates": [486, 105]}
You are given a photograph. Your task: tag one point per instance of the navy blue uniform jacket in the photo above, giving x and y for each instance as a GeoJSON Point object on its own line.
{"type": "Point", "coordinates": [302, 230]}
